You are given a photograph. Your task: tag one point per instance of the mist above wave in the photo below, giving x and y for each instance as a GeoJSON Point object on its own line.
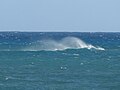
{"type": "Point", "coordinates": [63, 44]}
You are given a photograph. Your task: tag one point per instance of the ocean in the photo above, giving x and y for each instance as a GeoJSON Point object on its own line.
{"type": "Point", "coordinates": [59, 61]}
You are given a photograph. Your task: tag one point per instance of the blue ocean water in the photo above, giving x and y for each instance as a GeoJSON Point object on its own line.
{"type": "Point", "coordinates": [59, 61]}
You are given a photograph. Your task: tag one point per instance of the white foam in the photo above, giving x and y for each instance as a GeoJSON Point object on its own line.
{"type": "Point", "coordinates": [75, 54]}
{"type": "Point", "coordinates": [63, 44]}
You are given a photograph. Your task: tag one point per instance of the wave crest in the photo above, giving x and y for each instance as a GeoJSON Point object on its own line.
{"type": "Point", "coordinates": [63, 44]}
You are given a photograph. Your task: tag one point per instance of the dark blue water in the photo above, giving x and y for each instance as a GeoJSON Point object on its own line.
{"type": "Point", "coordinates": [59, 61]}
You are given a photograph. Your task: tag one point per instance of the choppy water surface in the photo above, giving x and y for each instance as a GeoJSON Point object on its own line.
{"type": "Point", "coordinates": [59, 61]}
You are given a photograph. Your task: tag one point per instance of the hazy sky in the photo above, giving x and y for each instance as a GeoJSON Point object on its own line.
{"type": "Point", "coordinates": [60, 15]}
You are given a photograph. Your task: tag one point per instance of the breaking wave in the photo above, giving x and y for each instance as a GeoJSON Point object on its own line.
{"type": "Point", "coordinates": [63, 44]}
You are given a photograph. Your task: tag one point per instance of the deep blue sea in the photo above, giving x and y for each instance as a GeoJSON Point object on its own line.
{"type": "Point", "coordinates": [59, 61]}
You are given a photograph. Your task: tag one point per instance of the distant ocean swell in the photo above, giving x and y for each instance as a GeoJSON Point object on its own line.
{"type": "Point", "coordinates": [54, 45]}
{"type": "Point", "coordinates": [60, 45]}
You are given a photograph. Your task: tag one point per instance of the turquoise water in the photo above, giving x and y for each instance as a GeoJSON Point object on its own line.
{"type": "Point", "coordinates": [59, 61]}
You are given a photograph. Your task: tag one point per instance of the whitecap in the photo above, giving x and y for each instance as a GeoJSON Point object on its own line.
{"type": "Point", "coordinates": [63, 44]}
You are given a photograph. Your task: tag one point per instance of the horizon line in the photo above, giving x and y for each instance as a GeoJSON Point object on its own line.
{"type": "Point", "coordinates": [54, 31]}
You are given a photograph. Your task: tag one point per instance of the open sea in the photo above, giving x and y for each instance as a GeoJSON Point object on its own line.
{"type": "Point", "coordinates": [59, 61]}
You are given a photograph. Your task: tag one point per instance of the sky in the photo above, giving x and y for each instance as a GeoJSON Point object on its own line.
{"type": "Point", "coordinates": [60, 15]}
